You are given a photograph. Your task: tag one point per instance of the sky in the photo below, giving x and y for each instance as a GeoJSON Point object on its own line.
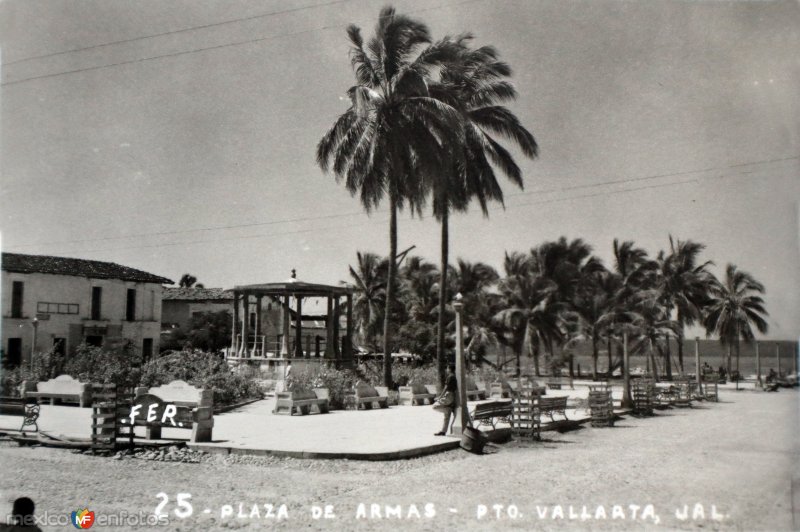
{"type": "Point", "coordinates": [180, 136]}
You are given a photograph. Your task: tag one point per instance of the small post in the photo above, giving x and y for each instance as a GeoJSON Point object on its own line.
{"type": "Point", "coordinates": [758, 366]}
{"type": "Point", "coordinates": [627, 401]}
{"type": "Point", "coordinates": [778, 357]}
{"type": "Point", "coordinates": [460, 363]}
{"type": "Point", "coordinates": [697, 365]}
{"type": "Point", "coordinates": [285, 327]}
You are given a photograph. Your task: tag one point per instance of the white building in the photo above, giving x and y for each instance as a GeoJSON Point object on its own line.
{"type": "Point", "coordinates": [61, 302]}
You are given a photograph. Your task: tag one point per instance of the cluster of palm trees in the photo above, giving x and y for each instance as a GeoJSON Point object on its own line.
{"type": "Point", "coordinates": [423, 126]}
{"type": "Point", "coordinates": [559, 295]}
{"type": "Point", "coordinates": [420, 127]}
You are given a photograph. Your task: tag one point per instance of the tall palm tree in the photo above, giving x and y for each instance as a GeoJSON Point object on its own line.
{"type": "Point", "coordinates": [369, 280]}
{"type": "Point", "coordinates": [566, 264]}
{"type": "Point", "coordinates": [475, 84]}
{"type": "Point", "coordinates": [685, 285]}
{"type": "Point", "coordinates": [526, 312]}
{"type": "Point", "coordinates": [734, 308]}
{"type": "Point", "coordinates": [393, 137]}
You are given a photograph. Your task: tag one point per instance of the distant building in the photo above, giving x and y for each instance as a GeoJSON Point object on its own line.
{"type": "Point", "coordinates": [62, 302]}
{"type": "Point", "coordinates": [179, 305]}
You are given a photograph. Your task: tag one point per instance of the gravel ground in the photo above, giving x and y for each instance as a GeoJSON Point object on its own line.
{"type": "Point", "coordinates": [739, 456]}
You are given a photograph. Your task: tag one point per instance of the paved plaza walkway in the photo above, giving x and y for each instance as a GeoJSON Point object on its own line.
{"type": "Point", "coordinates": [395, 432]}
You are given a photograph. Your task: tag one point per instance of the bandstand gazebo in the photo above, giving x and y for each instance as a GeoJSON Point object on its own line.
{"type": "Point", "coordinates": [252, 345]}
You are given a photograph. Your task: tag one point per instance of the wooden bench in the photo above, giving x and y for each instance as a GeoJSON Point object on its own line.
{"type": "Point", "coordinates": [367, 395]}
{"type": "Point", "coordinates": [301, 401]}
{"type": "Point", "coordinates": [63, 388]}
{"type": "Point", "coordinates": [20, 406]}
{"type": "Point", "coordinates": [554, 384]}
{"type": "Point", "coordinates": [553, 405]}
{"type": "Point", "coordinates": [473, 392]}
{"type": "Point", "coordinates": [491, 412]}
{"type": "Point", "coordinates": [416, 394]}
{"type": "Point", "coordinates": [194, 409]}
{"type": "Point", "coordinates": [500, 390]}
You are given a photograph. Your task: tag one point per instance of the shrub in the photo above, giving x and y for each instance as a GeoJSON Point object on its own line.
{"type": "Point", "coordinates": [206, 370]}
{"type": "Point", "coordinates": [407, 374]}
{"type": "Point", "coordinates": [339, 383]}
{"type": "Point", "coordinates": [44, 366]}
{"type": "Point", "coordinates": [95, 364]}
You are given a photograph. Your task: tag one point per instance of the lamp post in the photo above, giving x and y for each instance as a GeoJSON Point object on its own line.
{"type": "Point", "coordinates": [461, 374]}
{"type": "Point", "coordinates": [35, 323]}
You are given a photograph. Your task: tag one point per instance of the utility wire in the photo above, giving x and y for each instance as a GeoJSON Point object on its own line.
{"type": "Point", "coordinates": [174, 32]}
{"type": "Point", "coordinates": [422, 217]}
{"type": "Point", "coordinates": [216, 47]}
{"type": "Point", "coordinates": [356, 213]}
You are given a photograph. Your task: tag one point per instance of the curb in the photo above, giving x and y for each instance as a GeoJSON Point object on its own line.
{"type": "Point", "coordinates": [323, 455]}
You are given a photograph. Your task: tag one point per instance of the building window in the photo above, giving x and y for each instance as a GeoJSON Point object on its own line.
{"type": "Point", "coordinates": [13, 355]}
{"type": "Point", "coordinates": [94, 341]}
{"type": "Point", "coordinates": [44, 307]}
{"type": "Point", "coordinates": [147, 349]}
{"type": "Point", "coordinates": [97, 297]}
{"type": "Point", "coordinates": [252, 321]}
{"type": "Point", "coordinates": [16, 299]}
{"type": "Point", "coordinates": [130, 309]}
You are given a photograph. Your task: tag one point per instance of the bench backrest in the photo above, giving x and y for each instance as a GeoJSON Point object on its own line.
{"type": "Point", "coordinates": [303, 394]}
{"type": "Point", "coordinates": [183, 393]}
{"type": "Point", "coordinates": [63, 384]}
{"type": "Point", "coordinates": [553, 402]}
{"type": "Point", "coordinates": [492, 409]}
{"type": "Point", "coordinates": [432, 388]}
{"type": "Point", "coordinates": [418, 388]}
{"type": "Point", "coordinates": [365, 390]}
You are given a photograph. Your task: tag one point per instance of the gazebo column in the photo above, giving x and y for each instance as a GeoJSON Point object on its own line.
{"type": "Point", "coordinates": [285, 335]}
{"type": "Point", "coordinates": [337, 351]}
{"type": "Point", "coordinates": [330, 339]}
{"type": "Point", "coordinates": [245, 324]}
{"type": "Point", "coordinates": [298, 329]}
{"type": "Point", "coordinates": [348, 342]}
{"type": "Point", "coordinates": [234, 344]}
{"type": "Point", "coordinates": [258, 327]}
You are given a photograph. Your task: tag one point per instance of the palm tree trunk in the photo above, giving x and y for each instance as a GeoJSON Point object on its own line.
{"type": "Point", "coordinates": [440, 354]}
{"type": "Point", "coordinates": [610, 357]}
{"type": "Point", "coordinates": [729, 360]}
{"type": "Point", "coordinates": [680, 342]}
{"type": "Point", "coordinates": [595, 354]}
{"type": "Point", "coordinates": [390, 282]}
{"type": "Point", "coordinates": [668, 359]}
{"type": "Point", "coordinates": [737, 349]}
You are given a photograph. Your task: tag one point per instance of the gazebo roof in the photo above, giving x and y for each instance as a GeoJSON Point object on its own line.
{"type": "Point", "coordinates": [293, 287]}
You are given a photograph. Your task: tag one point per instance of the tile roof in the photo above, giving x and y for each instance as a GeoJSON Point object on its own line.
{"type": "Point", "coordinates": [196, 294]}
{"type": "Point", "coordinates": [19, 263]}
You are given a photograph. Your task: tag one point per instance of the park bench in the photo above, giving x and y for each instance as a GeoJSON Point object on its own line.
{"type": "Point", "coordinates": [491, 412]}
{"type": "Point", "coordinates": [474, 392]}
{"type": "Point", "coordinates": [499, 390]}
{"type": "Point", "coordinates": [554, 384]}
{"type": "Point", "coordinates": [553, 405]}
{"type": "Point", "coordinates": [193, 409]}
{"type": "Point", "coordinates": [302, 401]}
{"type": "Point", "coordinates": [20, 406]}
{"type": "Point", "coordinates": [416, 394]}
{"type": "Point", "coordinates": [63, 388]}
{"type": "Point", "coordinates": [367, 395]}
